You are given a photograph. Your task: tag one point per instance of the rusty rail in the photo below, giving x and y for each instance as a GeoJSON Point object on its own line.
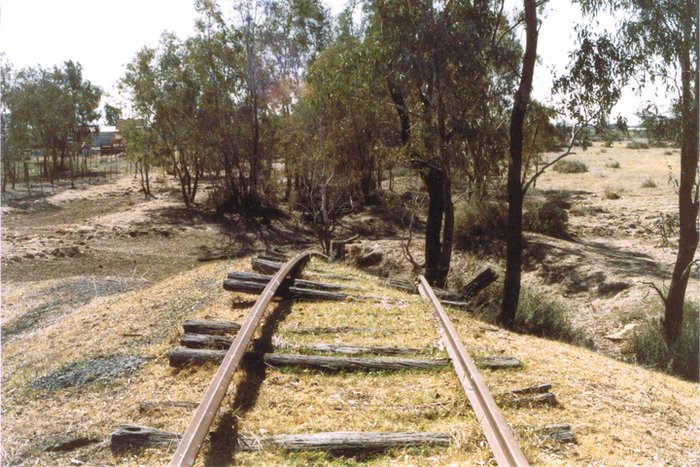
{"type": "Point", "coordinates": [505, 448]}
{"type": "Point", "coordinates": [196, 432]}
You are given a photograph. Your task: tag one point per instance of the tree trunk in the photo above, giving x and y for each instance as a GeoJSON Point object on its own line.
{"type": "Point", "coordinates": [687, 200]}
{"type": "Point", "coordinates": [511, 287]}
{"type": "Point", "coordinates": [433, 227]}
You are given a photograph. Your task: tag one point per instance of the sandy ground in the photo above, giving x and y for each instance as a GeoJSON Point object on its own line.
{"type": "Point", "coordinates": [107, 238]}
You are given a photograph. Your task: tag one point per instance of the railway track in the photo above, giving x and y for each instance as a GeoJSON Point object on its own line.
{"type": "Point", "coordinates": [498, 434]}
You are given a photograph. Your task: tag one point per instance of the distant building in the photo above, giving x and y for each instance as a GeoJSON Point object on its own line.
{"type": "Point", "coordinates": [108, 140]}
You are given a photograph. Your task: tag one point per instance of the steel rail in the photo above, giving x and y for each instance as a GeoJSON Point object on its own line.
{"type": "Point", "coordinates": [193, 438]}
{"type": "Point", "coordinates": [505, 448]}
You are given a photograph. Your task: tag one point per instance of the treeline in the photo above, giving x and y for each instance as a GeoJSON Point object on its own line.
{"type": "Point", "coordinates": [281, 102]}
{"type": "Point", "coordinates": [274, 100]}
{"type": "Point", "coordinates": [50, 114]}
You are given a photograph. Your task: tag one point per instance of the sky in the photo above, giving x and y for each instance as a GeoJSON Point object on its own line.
{"type": "Point", "coordinates": [105, 35]}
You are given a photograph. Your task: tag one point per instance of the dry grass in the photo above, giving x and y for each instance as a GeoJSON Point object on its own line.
{"type": "Point", "coordinates": [621, 414]}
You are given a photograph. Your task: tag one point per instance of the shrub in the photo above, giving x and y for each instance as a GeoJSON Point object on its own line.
{"type": "Point", "coordinates": [538, 315]}
{"type": "Point", "coordinates": [611, 193]}
{"type": "Point", "coordinates": [570, 166]}
{"type": "Point", "coordinates": [478, 222]}
{"type": "Point", "coordinates": [636, 145]}
{"type": "Point", "coordinates": [547, 218]}
{"type": "Point", "coordinates": [649, 183]}
{"type": "Point", "coordinates": [608, 143]}
{"type": "Point", "coordinates": [613, 165]}
{"type": "Point", "coordinates": [650, 350]}
{"type": "Point", "coordinates": [545, 316]}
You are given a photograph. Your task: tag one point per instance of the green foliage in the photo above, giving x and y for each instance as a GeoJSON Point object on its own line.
{"type": "Point", "coordinates": [542, 315]}
{"type": "Point", "coordinates": [660, 128]}
{"type": "Point", "coordinates": [479, 222]}
{"type": "Point", "coordinates": [648, 347]}
{"type": "Point", "coordinates": [50, 110]}
{"type": "Point", "coordinates": [569, 166]}
{"type": "Point", "coordinates": [547, 218]}
{"type": "Point", "coordinates": [596, 75]}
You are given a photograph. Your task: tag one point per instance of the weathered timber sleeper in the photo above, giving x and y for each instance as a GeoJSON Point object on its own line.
{"type": "Point", "coordinates": [206, 341]}
{"type": "Point", "coordinates": [353, 363]}
{"type": "Point", "coordinates": [344, 349]}
{"type": "Point", "coordinates": [265, 278]}
{"type": "Point", "coordinates": [133, 436]}
{"type": "Point", "coordinates": [265, 266]}
{"type": "Point", "coordinates": [344, 441]}
{"type": "Point", "coordinates": [129, 436]}
{"type": "Point", "coordinates": [200, 326]}
{"type": "Point", "coordinates": [235, 285]}
{"type": "Point", "coordinates": [184, 356]}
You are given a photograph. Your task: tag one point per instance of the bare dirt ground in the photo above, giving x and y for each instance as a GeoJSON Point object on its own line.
{"type": "Point", "coordinates": [96, 280]}
{"type": "Point", "coordinates": [618, 247]}
{"type": "Point", "coordinates": [67, 247]}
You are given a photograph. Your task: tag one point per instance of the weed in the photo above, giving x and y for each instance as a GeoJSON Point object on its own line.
{"type": "Point", "coordinates": [613, 165]}
{"type": "Point", "coordinates": [637, 145]}
{"type": "Point", "coordinates": [603, 151]}
{"type": "Point", "coordinates": [649, 183]}
{"type": "Point", "coordinates": [611, 193]}
{"type": "Point", "coordinates": [479, 221]}
{"type": "Point", "coordinates": [544, 316]}
{"type": "Point", "coordinates": [570, 167]}
{"type": "Point", "coordinates": [668, 153]}
{"type": "Point", "coordinates": [547, 218]}
{"type": "Point", "coordinates": [649, 348]}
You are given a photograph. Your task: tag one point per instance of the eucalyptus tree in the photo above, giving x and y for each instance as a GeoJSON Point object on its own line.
{"type": "Point", "coordinates": [84, 99]}
{"type": "Point", "coordinates": [249, 59]}
{"type": "Point", "coordinates": [587, 92]}
{"type": "Point", "coordinates": [663, 37]}
{"type": "Point", "coordinates": [447, 66]}
{"type": "Point", "coordinates": [52, 111]}
{"type": "Point", "coordinates": [164, 90]}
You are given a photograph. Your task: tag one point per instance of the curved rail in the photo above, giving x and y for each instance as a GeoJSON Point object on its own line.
{"type": "Point", "coordinates": [505, 448]}
{"type": "Point", "coordinates": [196, 432]}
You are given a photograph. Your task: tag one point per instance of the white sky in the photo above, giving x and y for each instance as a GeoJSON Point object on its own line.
{"type": "Point", "coordinates": [105, 35]}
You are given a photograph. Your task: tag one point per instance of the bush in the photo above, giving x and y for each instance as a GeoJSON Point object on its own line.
{"type": "Point", "coordinates": [636, 145]}
{"type": "Point", "coordinates": [613, 165]}
{"type": "Point", "coordinates": [649, 183]}
{"type": "Point", "coordinates": [611, 193]}
{"type": "Point", "coordinates": [545, 316]}
{"type": "Point", "coordinates": [478, 222]}
{"type": "Point", "coordinates": [538, 315]}
{"type": "Point", "coordinates": [570, 167]}
{"type": "Point", "coordinates": [649, 348]}
{"type": "Point", "coordinates": [547, 218]}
